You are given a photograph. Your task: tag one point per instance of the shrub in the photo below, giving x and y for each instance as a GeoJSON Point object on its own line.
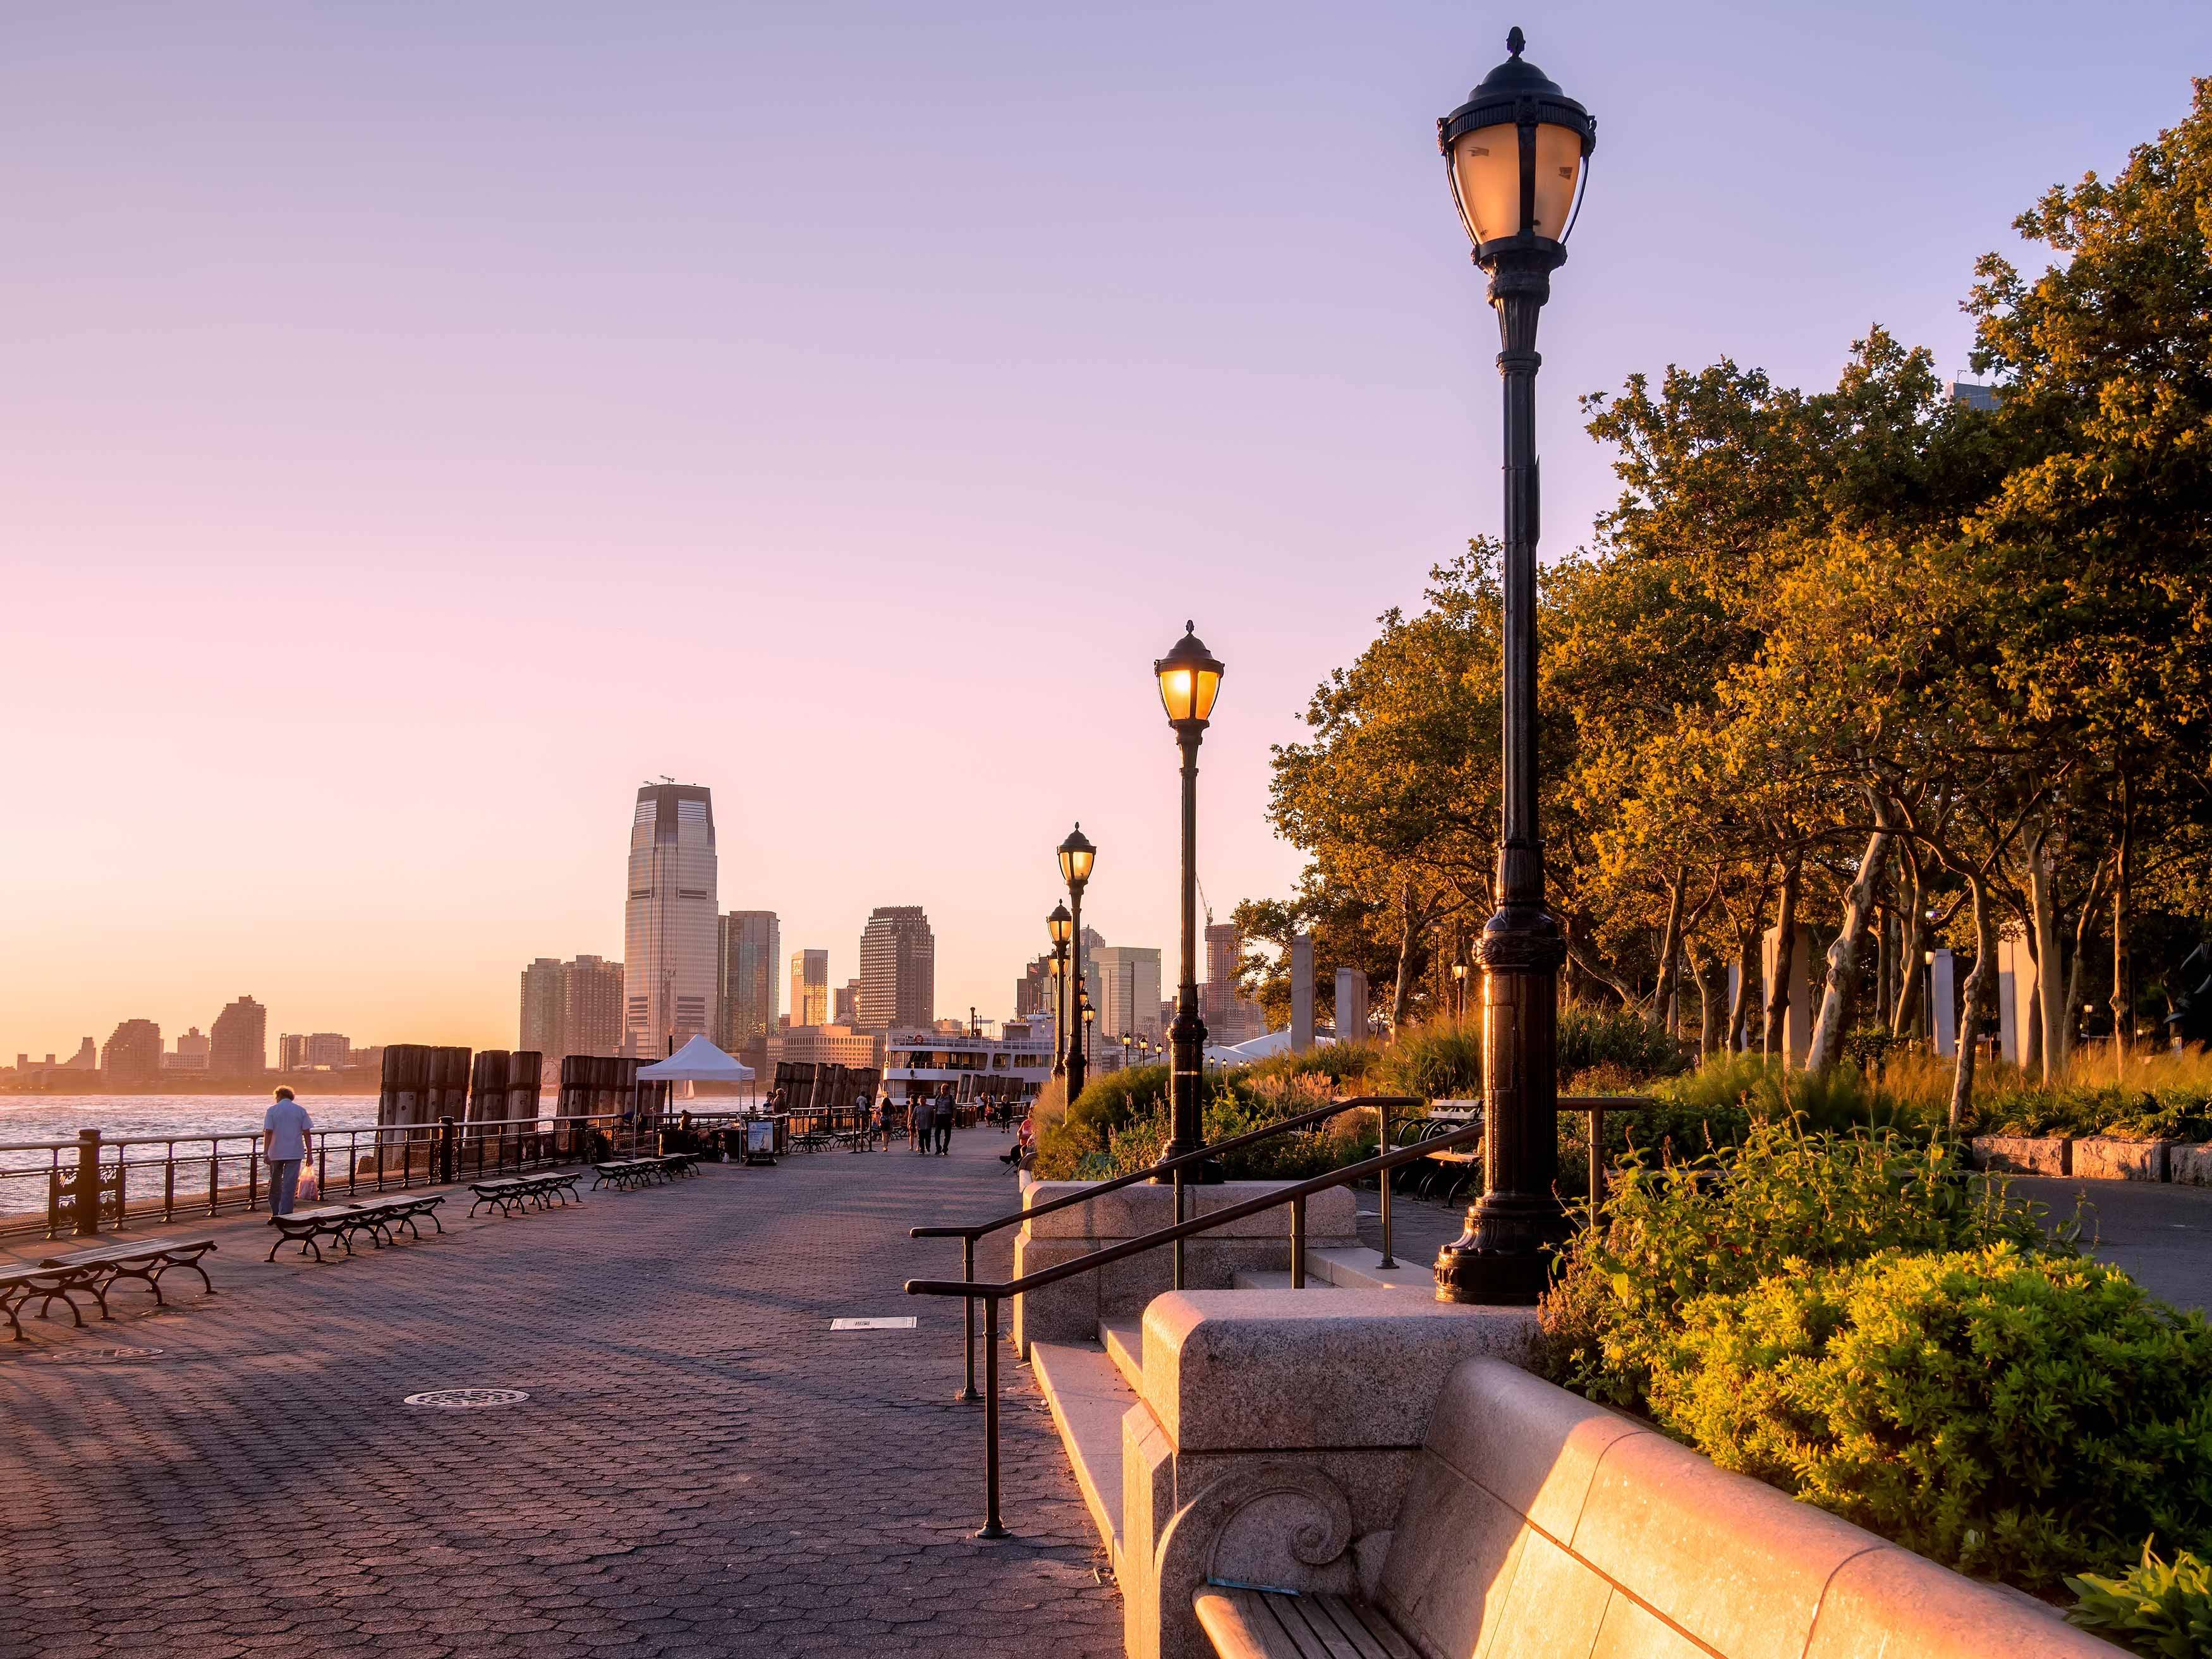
{"type": "Point", "coordinates": [1336, 1063]}
{"type": "Point", "coordinates": [1782, 1201]}
{"type": "Point", "coordinates": [1292, 1156]}
{"type": "Point", "coordinates": [1834, 1100]}
{"type": "Point", "coordinates": [2009, 1414]}
{"type": "Point", "coordinates": [1441, 1061]}
{"type": "Point", "coordinates": [1104, 1106]}
{"type": "Point", "coordinates": [1617, 1036]}
{"type": "Point", "coordinates": [2160, 1610]}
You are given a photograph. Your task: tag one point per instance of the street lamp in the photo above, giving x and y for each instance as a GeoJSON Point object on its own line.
{"type": "Point", "coordinates": [1514, 155]}
{"type": "Point", "coordinates": [1126, 1040]}
{"type": "Point", "coordinates": [1190, 678]}
{"type": "Point", "coordinates": [1459, 992]}
{"type": "Point", "coordinates": [1055, 928]}
{"type": "Point", "coordinates": [1090, 1021]}
{"type": "Point", "coordinates": [1076, 855]}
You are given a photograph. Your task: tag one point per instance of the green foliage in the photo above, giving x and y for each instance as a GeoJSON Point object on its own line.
{"type": "Point", "coordinates": [1745, 1086]}
{"type": "Point", "coordinates": [2162, 1610]}
{"type": "Point", "coordinates": [1438, 1061]}
{"type": "Point", "coordinates": [1106, 1105]}
{"type": "Point", "coordinates": [1339, 1062]}
{"type": "Point", "coordinates": [1591, 1036]}
{"type": "Point", "coordinates": [1784, 1200]}
{"type": "Point", "coordinates": [2178, 1113]}
{"type": "Point", "coordinates": [2009, 1413]}
{"type": "Point", "coordinates": [1294, 1155]}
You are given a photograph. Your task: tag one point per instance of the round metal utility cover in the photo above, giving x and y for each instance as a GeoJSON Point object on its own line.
{"type": "Point", "coordinates": [465, 1399]}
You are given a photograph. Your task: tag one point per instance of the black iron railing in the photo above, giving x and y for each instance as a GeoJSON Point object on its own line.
{"type": "Point", "coordinates": [1294, 1196]}
{"type": "Point", "coordinates": [92, 1183]}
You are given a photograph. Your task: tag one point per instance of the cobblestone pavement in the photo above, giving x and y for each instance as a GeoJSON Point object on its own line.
{"type": "Point", "coordinates": [701, 1467]}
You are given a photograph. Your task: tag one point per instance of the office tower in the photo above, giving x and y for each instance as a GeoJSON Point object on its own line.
{"type": "Point", "coordinates": [291, 1051]}
{"type": "Point", "coordinates": [191, 1053]}
{"type": "Point", "coordinates": [845, 1003]}
{"type": "Point", "coordinates": [238, 1042]}
{"type": "Point", "coordinates": [669, 919]}
{"type": "Point", "coordinates": [544, 985]}
{"type": "Point", "coordinates": [898, 969]}
{"type": "Point", "coordinates": [591, 992]}
{"type": "Point", "coordinates": [1230, 1018]}
{"type": "Point", "coordinates": [1093, 943]}
{"type": "Point", "coordinates": [1128, 991]}
{"type": "Point", "coordinates": [133, 1054]}
{"type": "Point", "coordinates": [749, 949]}
{"type": "Point", "coordinates": [809, 987]}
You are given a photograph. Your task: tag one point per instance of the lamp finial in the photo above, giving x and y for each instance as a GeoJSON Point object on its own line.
{"type": "Point", "coordinates": [1515, 42]}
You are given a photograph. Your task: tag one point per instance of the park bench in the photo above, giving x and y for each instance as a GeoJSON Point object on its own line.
{"type": "Point", "coordinates": [308, 1229]}
{"type": "Point", "coordinates": [626, 1173]}
{"type": "Point", "coordinates": [513, 1195]}
{"type": "Point", "coordinates": [385, 1216]}
{"type": "Point", "coordinates": [97, 1270]}
{"type": "Point", "coordinates": [19, 1286]}
{"type": "Point", "coordinates": [677, 1164]}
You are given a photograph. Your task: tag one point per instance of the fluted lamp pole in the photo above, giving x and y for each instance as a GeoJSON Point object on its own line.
{"type": "Point", "coordinates": [1190, 679]}
{"type": "Point", "coordinates": [1076, 855]}
{"type": "Point", "coordinates": [1514, 153]}
{"type": "Point", "coordinates": [1055, 928]}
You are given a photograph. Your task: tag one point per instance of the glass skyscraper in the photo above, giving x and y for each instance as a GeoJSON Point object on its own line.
{"type": "Point", "coordinates": [898, 969]}
{"type": "Point", "coordinates": [750, 948]}
{"type": "Point", "coordinates": [670, 974]}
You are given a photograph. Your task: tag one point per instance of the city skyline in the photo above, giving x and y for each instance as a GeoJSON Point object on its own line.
{"type": "Point", "coordinates": [442, 354]}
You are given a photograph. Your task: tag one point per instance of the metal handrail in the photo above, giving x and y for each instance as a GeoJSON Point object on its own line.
{"type": "Point", "coordinates": [1294, 1195]}
{"type": "Point", "coordinates": [1171, 1167]}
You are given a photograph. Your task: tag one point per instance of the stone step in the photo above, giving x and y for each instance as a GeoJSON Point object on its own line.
{"type": "Point", "coordinates": [1356, 1268]}
{"type": "Point", "coordinates": [1278, 1280]}
{"type": "Point", "coordinates": [1088, 1398]}
{"type": "Point", "coordinates": [1124, 1340]}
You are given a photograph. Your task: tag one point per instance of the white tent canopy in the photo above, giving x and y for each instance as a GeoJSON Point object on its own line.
{"type": "Point", "coordinates": [697, 1061]}
{"type": "Point", "coordinates": [1261, 1047]}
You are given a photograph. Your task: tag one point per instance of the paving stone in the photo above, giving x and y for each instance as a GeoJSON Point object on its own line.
{"type": "Point", "coordinates": [702, 1463]}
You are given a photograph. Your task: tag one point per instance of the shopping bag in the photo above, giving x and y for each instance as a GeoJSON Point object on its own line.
{"type": "Point", "coordinates": [311, 1186]}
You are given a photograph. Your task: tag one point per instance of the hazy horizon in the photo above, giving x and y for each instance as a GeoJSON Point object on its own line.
{"type": "Point", "coordinates": [419, 427]}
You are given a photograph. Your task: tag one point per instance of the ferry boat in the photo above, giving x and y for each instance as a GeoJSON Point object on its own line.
{"type": "Point", "coordinates": [1011, 1065]}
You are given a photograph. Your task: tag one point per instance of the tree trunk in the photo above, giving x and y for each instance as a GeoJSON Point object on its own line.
{"type": "Point", "coordinates": [1712, 992]}
{"type": "Point", "coordinates": [2122, 1003]}
{"type": "Point", "coordinates": [1827, 1045]}
{"type": "Point", "coordinates": [1910, 948]}
{"type": "Point", "coordinates": [1741, 1005]}
{"type": "Point", "coordinates": [2077, 971]}
{"type": "Point", "coordinates": [1402, 988]}
{"type": "Point", "coordinates": [1976, 998]}
{"type": "Point", "coordinates": [2042, 929]}
{"type": "Point", "coordinates": [1785, 949]}
{"type": "Point", "coordinates": [1670, 941]}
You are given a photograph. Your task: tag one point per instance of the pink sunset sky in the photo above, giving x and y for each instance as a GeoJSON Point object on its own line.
{"type": "Point", "coordinates": [421, 423]}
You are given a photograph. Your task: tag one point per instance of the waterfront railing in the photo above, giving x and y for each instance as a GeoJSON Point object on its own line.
{"type": "Point", "coordinates": [91, 1184]}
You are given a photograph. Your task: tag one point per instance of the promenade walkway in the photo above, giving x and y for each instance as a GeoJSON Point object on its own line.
{"type": "Point", "coordinates": [701, 1467]}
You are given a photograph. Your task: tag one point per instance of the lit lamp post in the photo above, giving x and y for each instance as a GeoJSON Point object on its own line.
{"type": "Point", "coordinates": [1090, 1021]}
{"type": "Point", "coordinates": [1055, 928]}
{"type": "Point", "coordinates": [1513, 154]}
{"type": "Point", "coordinates": [1459, 992]}
{"type": "Point", "coordinates": [1190, 678]}
{"type": "Point", "coordinates": [1076, 855]}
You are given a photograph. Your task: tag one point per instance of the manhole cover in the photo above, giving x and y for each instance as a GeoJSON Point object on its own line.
{"type": "Point", "coordinates": [902, 1324]}
{"type": "Point", "coordinates": [462, 1400]}
{"type": "Point", "coordinates": [98, 1356]}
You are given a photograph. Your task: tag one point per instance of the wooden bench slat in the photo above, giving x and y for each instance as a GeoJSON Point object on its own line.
{"type": "Point", "coordinates": [1250, 1623]}
{"type": "Point", "coordinates": [1329, 1640]}
{"type": "Point", "coordinates": [1356, 1619]}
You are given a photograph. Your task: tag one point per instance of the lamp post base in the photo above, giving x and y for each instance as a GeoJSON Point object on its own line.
{"type": "Point", "coordinates": [1505, 1257]}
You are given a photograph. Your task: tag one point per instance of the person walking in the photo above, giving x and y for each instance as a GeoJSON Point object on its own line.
{"type": "Point", "coordinates": [284, 1130]}
{"type": "Point", "coordinates": [944, 1125]}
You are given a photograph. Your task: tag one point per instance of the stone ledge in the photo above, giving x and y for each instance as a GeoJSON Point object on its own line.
{"type": "Point", "coordinates": [1132, 1211]}
{"type": "Point", "coordinates": [1227, 1370]}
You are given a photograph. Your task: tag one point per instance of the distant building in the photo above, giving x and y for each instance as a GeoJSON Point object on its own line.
{"type": "Point", "coordinates": [845, 1003]}
{"type": "Point", "coordinates": [809, 987]}
{"type": "Point", "coordinates": [1230, 1018]}
{"type": "Point", "coordinates": [1033, 990]}
{"type": "Point", "coordinates": [749, 953]}
{"type": "Point", "coordinates": [1128, 992]}
{"type": "Point", "coordinates": [133, 1054]}
{"type": "Point", "coordinates": [898, 969]}
{"type": "Point", "coordinates": [238, 1042]}
{"type": "Point", "coordinates": [318, 1051]}
{"type": "Point", "coordinates": [831, 1045]}
{"type": "Point", "coordinates": [190, 1056]}
{"type": "Point", "coordinates": [572, 1007]}
{"type": "Point", "coordinates": [1966, 393]}
{"type": "Point", "coordinates": [86, 1059]}
{"type": "Point", "coordinates": [670, 920]}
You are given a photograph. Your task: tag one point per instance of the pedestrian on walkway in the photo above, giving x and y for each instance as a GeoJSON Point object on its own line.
{"type": "Point", "coordinates": [284, 1130]}
{"type": "Point", "coordinates": [944, 1125]}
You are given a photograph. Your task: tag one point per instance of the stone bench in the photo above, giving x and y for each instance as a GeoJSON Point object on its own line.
{"type": "Point", "coordinates": [1536, 1523]}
